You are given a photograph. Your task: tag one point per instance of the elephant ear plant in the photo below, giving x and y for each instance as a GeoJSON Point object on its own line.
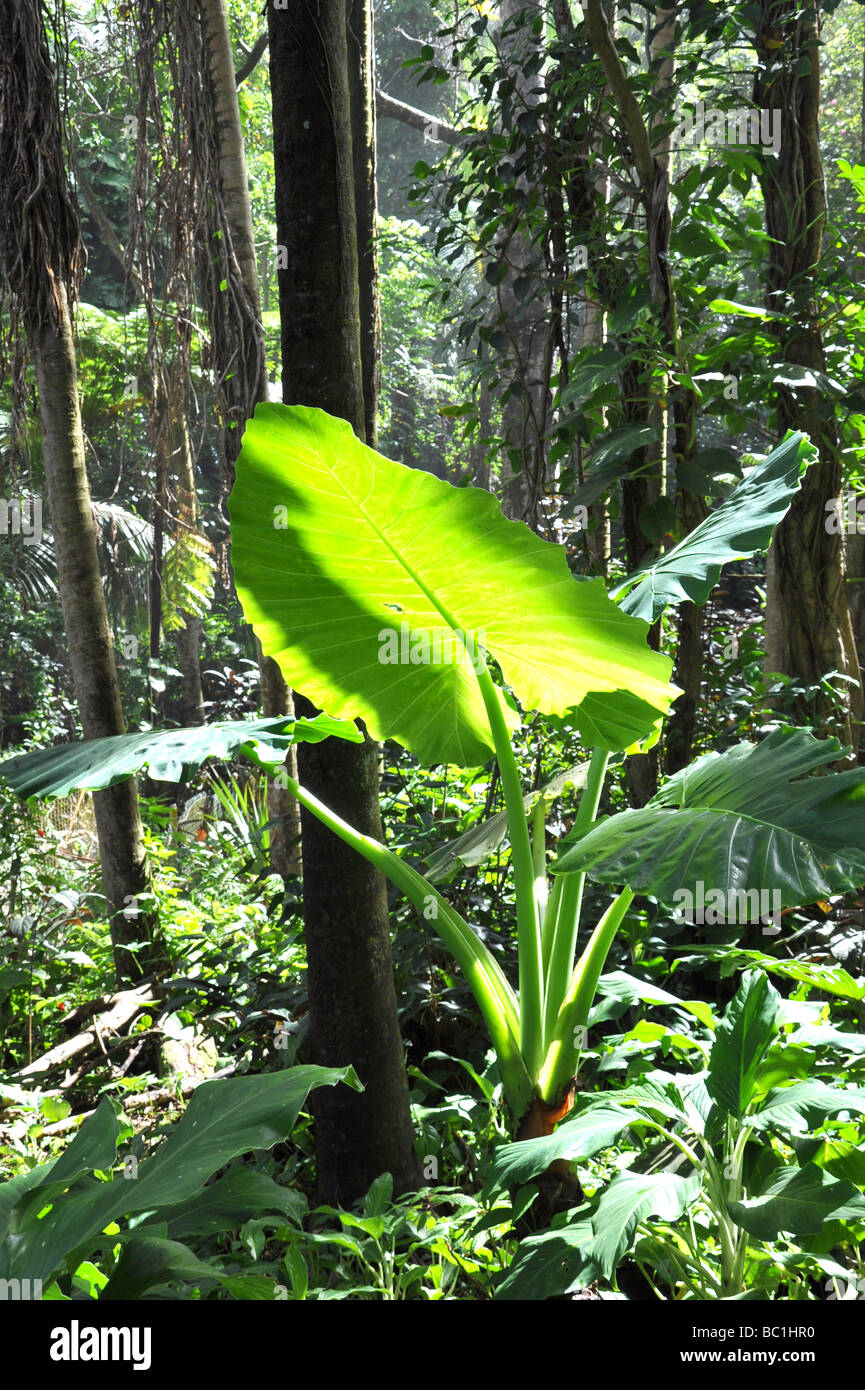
{"type": "Point", "coordinates": [388, 595]}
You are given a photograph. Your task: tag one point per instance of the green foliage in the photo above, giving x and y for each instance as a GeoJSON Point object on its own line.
{"type": "Point", "coordinates": [748, 818]}
{"type": "Point", "coordinates": [171, 755]}
{"type": "Point", "coordinates": [188, 576]}
{"type": "Point", "coordinates": [51, 1217]}
{"type": "Point", "coordinates": [715, 1211]}
{"type": "Point", "coordinates": [741, 525]}
{"type": "Point", "coordinates": [304, 483]}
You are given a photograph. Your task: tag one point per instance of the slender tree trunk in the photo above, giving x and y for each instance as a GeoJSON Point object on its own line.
{"type": "Point", "coordinates": [527, 323]}
{"type": "Point", "coordinates": [40, 259]}
{"type": "Point", "coordinates": [188, 638]}
{"type": "Point", "coordinates": [322, 92]}
{"type": "Point", "coordinates": [88, 638]}
{"type": "Point", "coordinates": [238, 341]}
{"type": "Point", "coordinates": [233, 175]}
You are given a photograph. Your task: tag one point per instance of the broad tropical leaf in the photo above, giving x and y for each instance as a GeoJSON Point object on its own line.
{"type": "Point", "coordinates": [582, 1136]}
{"type": "Point", "coordinates": [831, 979]}
{"type": "Point", "coordinates": [171, 755]}
{"type": "Point", "coordinates": [797, 1201]}
{"type": "Point", "coordinates": [628, 1200]}
{"type": "Point", "coordinates": [739, 821]}
{"type": "Point", "coordinates": [362, 577]}
{"type": "Point", "coordinates": [742, 1039]}
{"type": "Point", "coordinates": [823, 1035]}
{"type": "Point", "coordinates": [146, 1260]}
{"type": "Point", "coordinates": [805, 1105]}
{"type": "Point", "coordinates": [610, 461]}
{"type": "Point", "coordinates": [587, 1132]}
{"type": "Point", "coordinates": [742, 525]}
{"type": "Point", "coordinates": [553, 1262]}
{"type": "Point", "coordinates": [93, 1147]}
{"type": "Point", "coordinates": [227, 1203]}
{"type": "Point", "coordinates": [223, 1119]}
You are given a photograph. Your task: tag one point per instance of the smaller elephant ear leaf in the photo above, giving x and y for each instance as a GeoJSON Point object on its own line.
{"type": "Point", "coordinates": [741, 526]}
{"type": "Point", "coordinates": [746, 822]}
{"type": "Point", "coordinates": [171, 755]}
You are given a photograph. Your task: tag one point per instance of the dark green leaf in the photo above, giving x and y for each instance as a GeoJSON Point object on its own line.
{"type": "Point", "coordinates": [742, 1039]}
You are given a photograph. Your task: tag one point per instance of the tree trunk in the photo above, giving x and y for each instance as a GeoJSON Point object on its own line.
{"type": "Point", "coordinates": [40, 270]}
{"type": "Point", "coordinates": [187, 638]}
{"type": "Point", "coordinates": [233, 176]}
{"type": "Point", "coordinates": [321, 82]}
{"type": "Point", "coordinates": [527, 323]}
{"type": "Point", "coordinates": [238, 350]}
{"type": "Point", "coordinates": [808, 626]}
{"type": "Point", "coordinates": [88, 638]}
{"type": "Point", "coordinates": [855, 561]}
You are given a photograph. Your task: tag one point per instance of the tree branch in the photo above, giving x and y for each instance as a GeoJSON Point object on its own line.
{"type": "Point", "coordinates": [106, 231]}
{"type": "Point", "coordinates": [432, 126]}
{"type": "Point", "coordinates": [602, 42]}
{"type": "Point", "coordinates": [252, 59]}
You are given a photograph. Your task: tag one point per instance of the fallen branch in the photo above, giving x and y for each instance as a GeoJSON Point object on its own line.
{"type": "Point", "coordinates": [123, 1007]}
{"type": "Point", "coordinates": [137, 1102]}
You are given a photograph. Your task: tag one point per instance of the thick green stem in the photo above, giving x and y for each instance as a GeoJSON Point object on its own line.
{"type": "Point", "coordinates": [564, 1045]}
{"type": "Point", "coordinates": [567, 926]}
{"type": "Point", "coordinates": [551, 917]}
{"type": "Point", "coordinates": [528, 923]}
{"type": "Point", "coordinates": [734, 1240]}
{"type": "Point", "coordinates": [494, 995]}
{"type": "Point", "coordinates": [539, 860]}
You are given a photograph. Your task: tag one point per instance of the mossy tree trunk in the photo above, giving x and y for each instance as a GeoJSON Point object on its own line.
{"type": "Point", "coordinates": [808, 627]}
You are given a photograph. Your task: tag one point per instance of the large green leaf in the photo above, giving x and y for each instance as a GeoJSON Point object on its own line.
{"type": "Point", "coordinates": [94, 1146]}
{"type": "Point", "coordinates": [586, 1132]}
{"type": "Point", "coordinates": [801, 1107]}
{"type": "Point", "coordinates": [798, 1201]}
{"type": "Point", "coordinates": [742, 1039]}
{"type": "Point", "coordinates": [550, 1263]}
{"type": "Point", "coordinates": [830, 979]}
{"type": "Point", "coordinates": [338, 553]}
{"type": "Point", "coordinates": [742, 820]}
{"type": "Point", "coordinates": [824, 1035]}
{"type": "Point", "coordinates": [171, 755]}
{"type": "Point", "coordinates": [742, 525]}
{"type": "Point", "coordinates": [584, 1135]}
{"type": "Point", "coordinates": [223, 1119]}
{"type": "Point", "coordinates": [610, 461]}
{"type": "Point", "coordinates": [146, 1260]}
{"type": "Point", "coordinates": [628, 1200]}
{"type": "Point", "coordinates": [242, 1192]}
